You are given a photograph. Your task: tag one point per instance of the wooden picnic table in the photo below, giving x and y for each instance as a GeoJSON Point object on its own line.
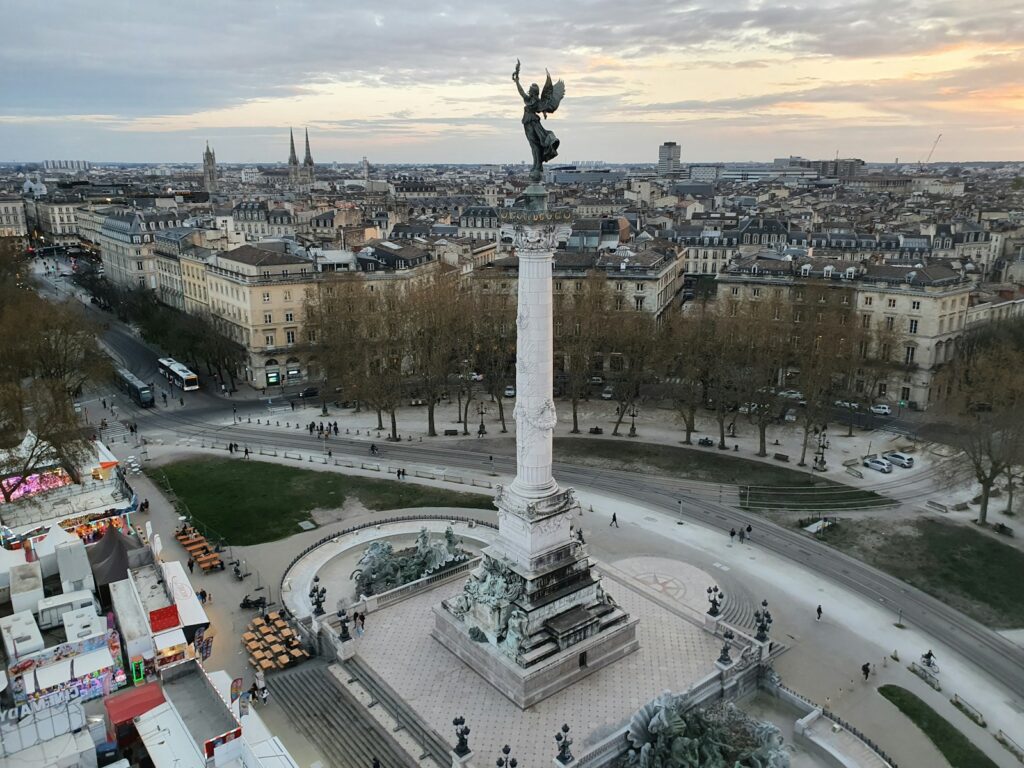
{"type": "Point", "coordinates": [190, 540]}
{"type": "Point", "coordinates": [277, 649]}
{"type": "Point", "coordinates": [282, 661]}
{"type": "Point", "coordinates": [266, 664]}
{"type": "Point", "coordinates": [248, 637]}
{"type": "Point", "coordinates": [297, 653]}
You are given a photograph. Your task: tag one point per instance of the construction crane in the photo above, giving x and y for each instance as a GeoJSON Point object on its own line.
{"type": "Point", "coordinates": [931, 151]}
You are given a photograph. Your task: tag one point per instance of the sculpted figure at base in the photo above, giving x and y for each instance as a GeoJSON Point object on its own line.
{"type": "Point", "coordinates": [537, 102]}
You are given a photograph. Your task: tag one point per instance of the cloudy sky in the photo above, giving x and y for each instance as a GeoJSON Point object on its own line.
{"type": "Point", "coordinates": [430, 81]}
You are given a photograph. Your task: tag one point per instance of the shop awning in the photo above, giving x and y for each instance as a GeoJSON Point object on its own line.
{"type": "Point", "coordinates": [126, 706]}
{"type": "Point", "coordinates": [87, 663]}
{"type": "Point", "coordinates": [54, 674]}
{"type": "Point", "coordinates": [169, 639]}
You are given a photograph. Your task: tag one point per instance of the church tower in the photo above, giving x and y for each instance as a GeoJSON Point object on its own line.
{"type": "Point", "coordinates": [308, 175]}
{"type": "Point", "coordinates": [209, 170]}
{"type": "Point", "coordinates": [293, 162]}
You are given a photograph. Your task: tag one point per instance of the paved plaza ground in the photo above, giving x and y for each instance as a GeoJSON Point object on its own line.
{"type": "Point", "coordinates": [673, 655]}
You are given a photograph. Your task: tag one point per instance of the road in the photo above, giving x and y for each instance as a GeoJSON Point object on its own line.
{"type": "Point", "coordinates": [990, 652]}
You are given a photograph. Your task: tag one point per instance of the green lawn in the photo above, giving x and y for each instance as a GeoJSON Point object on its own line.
{"type": "Point", "coordinates": [762, 485]}
{"type": "Point", "coordinates": [956, 563]}
{"type": "Point", "coordinates": [953, 745]}
{"type": "Point", "coordinates": [250, 502]}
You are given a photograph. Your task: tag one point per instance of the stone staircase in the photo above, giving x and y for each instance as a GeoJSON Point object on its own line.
{"type": "Point", "coordinates": [430, 741]}
{"type": "Point", "coordinates": [332, 718]}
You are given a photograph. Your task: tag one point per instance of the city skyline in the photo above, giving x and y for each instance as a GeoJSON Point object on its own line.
{"type": "Point", "coordinates": [409, 84]}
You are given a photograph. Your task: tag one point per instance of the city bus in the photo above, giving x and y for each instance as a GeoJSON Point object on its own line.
{"type": "Point", "coordinates": [134, 387]}
{"type": "Point", "coordinates": [177, 374]}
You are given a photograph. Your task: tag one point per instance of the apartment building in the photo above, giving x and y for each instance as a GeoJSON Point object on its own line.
{"type": "Point", "coordinates": [257, 296]}
{"type": "Point", "coordinates": [127, 240]}
{"type": "Point", "coordinates": [925, 307]}
{"type": "Point", "coordinates": [12, 217]}
{"type": "Point", "coordinates": [56, 221]}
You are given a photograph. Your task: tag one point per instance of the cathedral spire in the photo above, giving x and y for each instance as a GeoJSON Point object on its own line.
{"type": "Point", "coordinates": [293, 159]}
{"type": "Point", "coordinates": [308, 161]}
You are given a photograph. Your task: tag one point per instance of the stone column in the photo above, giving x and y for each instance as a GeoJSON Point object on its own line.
{"type": "Point", "coordinates": [535, 409]}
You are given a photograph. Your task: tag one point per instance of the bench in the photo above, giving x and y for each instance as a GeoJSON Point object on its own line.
{"type": "Point", "coordinates": [935, 506]}
{"type": "Point", "coordinates": [1003, 529]}
{"type": "Point", "coordinates": [451, 433]}
{"type": "Point", "coordinates": [596, 431]}
{"type": "Point", "coordinates": [210, 562]}
{"type": "Point", "coordinates": [781, 457]}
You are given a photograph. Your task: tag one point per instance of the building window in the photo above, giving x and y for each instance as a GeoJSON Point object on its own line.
{"type": "Point", "coordinates": [269, 340]}
{"type": "Point", "coordinates": [904, 393]}
{"type": "Point", "coordinates": [289, 317]}
{"type": "Point", "coordinates": [735, 291]}
{"type": "Point", "coordinates": [890, 323]}
{"type": "Point", "coordinates": [865, 321]}
{"type": "Point", "coordinates": [756, 292]}
{"type": "Point", "coordinates": [892, 303]}
{"type": "Point", "coordinates": [917, 305]}
{"type": "Point", "coordinates": [138, 266]}
{"type": "Point", "coordinates": [287, 295]}
{"type": "Point", "coordinates": [289, 337]}
{"type": "Point", "coordinates": [913, 326]}
{"type": "Point", "coordinates": [884, 352]}
{"type": "Point", "coordinates": [868, 301]}
{"type": "Point", "coordinates": [911, 352]}
{"type": "Point", "coordinates": [844, 299]}
{"type": "Point", "coordinates": [268, 317]}
{"type": "Point", "coordinates": [266, 297]}
{"type": "Point", "coordinates": [639, 302]}
{"type": "Point", "coordinates": [881, 389]}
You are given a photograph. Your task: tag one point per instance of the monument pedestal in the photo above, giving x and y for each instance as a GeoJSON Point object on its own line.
{"type": "Point", "coordinates": [533, 618]}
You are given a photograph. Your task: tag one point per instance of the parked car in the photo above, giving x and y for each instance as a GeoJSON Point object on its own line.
{"type": "Point", "coordinates": [881, 409]}
{"type": "Point", "coordinates": [608, 393]}
{"type": "Point", "coordinates": [848, 404]}
{"type": "Point", "coordinates": [899, 459]}
{"type": "Point", "coordinates": [510, 391]}
{"type": "Point", "coordinates": [790, 415]}
{"type": "Point", "coordinates": [309, 392]}
{"type": "Point", "coordinates": [877, 464]}
{"type": "Point", "coordinates": [474, 376]}
{"type": "Point", "coordinates": [597, 380]}
{"type": "Point", "coordinates": [748, 408]}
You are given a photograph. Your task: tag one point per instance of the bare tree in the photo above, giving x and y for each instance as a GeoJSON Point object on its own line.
{"type": "Point", "coordinates": [580, 320]}
{"type": "Point", "coordinates": [986, 398]}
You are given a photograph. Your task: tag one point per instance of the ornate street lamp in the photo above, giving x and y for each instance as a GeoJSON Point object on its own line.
{"type": "Point", "coordinates": [763, 620]}
{"type": "Point", "coordinates": [505, 761]}
{"type": "Point", "coordinates": [343, 619]}
{"type": "Point", "coordinates": [481, 409]}
{"type": "Point", "coordinates": [632, 417]}
{"type": "Point", "coordinates": [461, 732]}
{"type": "Point", "coordinates": [715, 598]}
{"type": "Point", "coordinates": [564, 742]}
{"type": "Point", "coordinates": [317, 595]}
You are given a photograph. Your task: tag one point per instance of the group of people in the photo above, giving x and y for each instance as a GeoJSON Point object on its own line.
{"type": "Point", "coordinates": [358, 623]}
{"type": "Point", "coordinates": [258, 690]}
{"type": "Point", "coordinates": [744, 533]}
{"type": "Point", "coordinates": [322, 429]}
{"type": "Point", "coordinates": [204, 596]}
{"type": "Point", "coordinates": [233, 448]}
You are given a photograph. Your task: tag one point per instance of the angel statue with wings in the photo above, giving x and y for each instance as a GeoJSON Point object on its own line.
{"type": "Point", "coordinates": [543, 143]}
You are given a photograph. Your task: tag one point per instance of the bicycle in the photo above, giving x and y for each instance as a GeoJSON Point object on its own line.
{"type": "Point", "coordinates": [930, 664]}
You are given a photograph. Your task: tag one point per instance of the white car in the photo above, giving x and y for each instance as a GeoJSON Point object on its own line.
{"type": "Point", "coordinates": [881, 409]}
{"type": "Point", "coordinates": [790, 415]}
{"type": "Point", "coordinates": [510, 391]}
{"type": "Point", "coordinates": [877, 464]}
{"type": "Point", "coordinates": [608, 393]}
{"type": "Point", "coordinates": [848, 404]}
{"type": "Point", "coordinates": [899, 459]}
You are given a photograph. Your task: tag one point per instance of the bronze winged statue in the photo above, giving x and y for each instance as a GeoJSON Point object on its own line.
{"type": "Point", "coordinates": [537, 102]}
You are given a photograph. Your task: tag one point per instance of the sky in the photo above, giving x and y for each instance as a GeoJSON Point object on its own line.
{"type": "Point", "coordinates": [430, 81]}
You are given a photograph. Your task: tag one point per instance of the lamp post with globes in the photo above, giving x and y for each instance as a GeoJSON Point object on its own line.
{"type": "Point", "coordinates": [632, 420]}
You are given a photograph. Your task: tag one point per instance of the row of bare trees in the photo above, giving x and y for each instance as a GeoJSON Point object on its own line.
{"type": "Point", "coordinates": [48, 354]}
{"type": "Point", "coordinates": [418, 340]}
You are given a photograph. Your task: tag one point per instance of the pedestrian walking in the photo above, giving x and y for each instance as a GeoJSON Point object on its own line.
{"type": "Point", "coordinates": [164, 396]}
{"type": "Point", "coordinates": [615, 521]}
{"type": "Point", "coordinates": [749, 531]}
{"type": "Point", "coordinates": [191, 565]}
{"type": "Point", "coordinates": [231, 447]}
{"type": "Point", "coordinates": [819, 614]}
{"type": "Point", "coordinates": [264, 695]}
{"type": "Point", "coordinates": [866, 669]}
{"type": "Point", "coordinates": [743, 535]}
{"type": "Point", "coordinates": [375, 763]}
{"type": "Point", "coordinates": [362, 623]}
{"type": "Point", "coordinates": [104, 401]}
{"type": "Point", "coordinates": [209, 597]}
{"type": "Point", "coordinates": [254, 692]}
{"type": "Point", "coordinates": [335, 429]}
{"type": "Point", "coordinates": [329, 454]}
{"type": "Point", "coordinates": [293, 405]}
{"type": "Point", "coordinates": [732, 534]}
{"type": "Point", "coordinates": [182, 401]}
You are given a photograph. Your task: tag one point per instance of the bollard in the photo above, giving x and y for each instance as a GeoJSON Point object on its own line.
{"type": "Point", "coordinates": [287, 424]}
{"type": "Point", "coordinates": [346, 430]}
{"type": "Point", "coordinates": [277, 423]}
{"type": "Point", "coordinates": [250, 419]}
